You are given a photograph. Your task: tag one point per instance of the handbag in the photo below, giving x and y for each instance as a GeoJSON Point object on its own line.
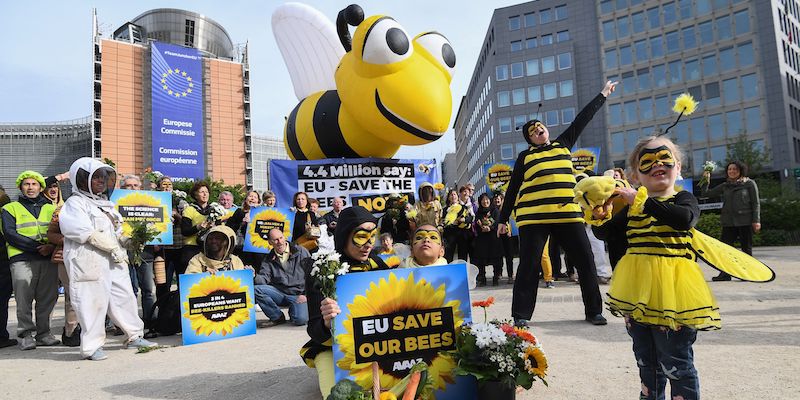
{"type": "Point", "coordinates": [309, 239]}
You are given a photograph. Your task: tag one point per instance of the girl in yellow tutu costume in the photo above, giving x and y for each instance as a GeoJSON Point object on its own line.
{"type": "Point", "coordinates": [657, 285]}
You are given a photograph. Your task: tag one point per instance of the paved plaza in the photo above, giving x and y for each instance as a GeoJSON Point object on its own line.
{"type": "Point", "coordinates": [756, 355]}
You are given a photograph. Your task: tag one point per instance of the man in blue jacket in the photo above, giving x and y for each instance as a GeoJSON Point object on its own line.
{"type": "Point", "coordinates": [281, 281]}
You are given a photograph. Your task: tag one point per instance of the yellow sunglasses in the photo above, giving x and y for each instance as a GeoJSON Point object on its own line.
{"type": "Point", "coordinates": [362, 236]}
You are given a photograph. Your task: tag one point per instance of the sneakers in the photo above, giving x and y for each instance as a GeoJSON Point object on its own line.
{"type": "Point", "coordinates": [48, 340]}
{"type": "Point", "coordinates": [27, 343]}
{"type": "Point", "coordinates": [573, 277]}
{"type": "Point", "coordinates": [98, 355]}
{"type": "Point", "coordinates": [721, 277]}
{"type": "Point", "coordinates": [520, 323]}
{"type": "Point", "coordinates": [8, 343]}
{"type": "Point", "coordinates": [139, 343]}
{"type": "Point", "coordinates": [598, 319]}
{"type": "Point", "coordinates": [550, 285]}
{"type": "Point", "coordinates": [280, 321]}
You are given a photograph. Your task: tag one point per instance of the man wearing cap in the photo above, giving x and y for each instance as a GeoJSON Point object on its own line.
{"type": "Point", "coordinates": [33, 275]}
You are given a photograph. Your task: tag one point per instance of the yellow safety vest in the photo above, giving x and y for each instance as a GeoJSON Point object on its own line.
{"type": "Point", "coordinates": [27, 225]}
{"type": "Point", "coordinates": [197, 219]}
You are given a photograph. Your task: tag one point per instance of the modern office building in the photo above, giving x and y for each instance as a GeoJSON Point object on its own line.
{"type": "Point", "coordinates": [537, 53]}
{"type": "Point", "coordinates": [265, 149]}
{"type": "Point", "coordinates": [739, 58]}
{"type": "Point", "coordinates": [49, 148]}
{"type": "Point", "coordinates": [171, 91]}
{"type": "Point", "coordinates": [449, 170]}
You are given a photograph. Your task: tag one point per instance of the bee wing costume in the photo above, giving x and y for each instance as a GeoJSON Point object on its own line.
{"type": "Point", "coordinates": [363, 95]}
{"type": "Point", "coordinates": [96, 262]}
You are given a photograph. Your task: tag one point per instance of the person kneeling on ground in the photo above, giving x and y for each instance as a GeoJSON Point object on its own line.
{"type": "Point", "coordinates": [426, 248]}
{"type": "Point", "coordinates": [281, 281]}
{"type": "Point", "coordinates": [96, 261]}
{"type": "Point", "coordinates": [216, 254]}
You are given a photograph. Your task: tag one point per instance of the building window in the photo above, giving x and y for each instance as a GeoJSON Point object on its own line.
{"type": "Point", "coordinates": [746, 54]}
{"type": "Point", "coordinates": [640, 48]}
{"type": "Point", "coordinates": [628, 83]}
{"type": "Point", "coordinates": [654, 18]}
{"type": "Point", "coordinates": [749, 87]}
{"type": "Point", "coordinates": [689, 39]}
{"type": "Point", "coordinates": [675, 72]}
{"type": "Point", "coordinates": [625, 55]}
{"type": "Point", "coordinates": [551, 118]}
{"type": "Point", "coordinates": [505, 124]}
{"type": "Point", "coordinates": [752, 119]}
{"type": "Point", "coordinates": [656, 47]}
{"type": "Point", "coordinates": [724, 28]}
{"type": "Point", "coordinates": [608, 31]}
{"type": "Point", "coordinates": [717, 154]}
{"type": "Point", "coordinates": [710, 65]}
{"type": "Point", "coordinates": [617, 142]}
{"type": "Point", "coordinates": [189, 33]}
{"type": "Point", "coordinates": [562, 36]}
{"type": "Point", "coordinates": [546, 39]}
{"type": "Point", "coordinates": [659, 75]}
{"type": "Point", "coordinates": [507, 151]}
{"type": "Point", "coordinates": [534, 94]}
{"type": "Point", "coordinates": [503, 98]}
{"type": "Point", "coordinates": [561, 12]}
{"type": "Point", "coordinates": [530, 43]}
{"type": "Point", "coordinates": [606, 6]}
{"type": "Point", "coordinates": [522, 146]}
{"type": "Point", "coordinates": [717, 127]}
{"type": "Point", "coordinates": [644, 79]}
{"type": "Point", "coordinates": [518, 96]}
{"type": "Point", "coordinates": [742, 21]}
{"type": "Point", "coordinates": [637, 21]}
{"type": "Point", "coordinates": [530, 19]}
{"type": "Point", "coordinates": [567, 115]}
{"type": "Point", "coordinates": [545, 16]}
{"type": "Point", "coordinates": [631, 137]}
{"type": "Point", "coordinates": [706, 32]}
{"type": "Point", "coordinates": [698, 158]}
{"type": "Point", "coordinates": [611, 58]}
{"type": "Point", "coordinates": [548, 64]}
{"type": "Point", "coordinates": [513, 23]}
{"type": "Point", "coordinates": [662, 106]}
{"type": "Point", "coordinates": [519, 120]}
{"type": "Point", "coordinates": [692, 70]}
{"type": "Point", "coordinates": [673, 42]}
{"type": "Point", "coordinates": [623, 27]}
{"type": "Point", "coordinates": [703, 7]}
{"type": "Point", "coordinates": [532, 67]}
{"type": "Point", "coordinates": [516, 45]}
{"type": "Point", "coordinates": [516, 70]}
{"type": "Point", "coordinates": [646, 108]}
{"type": "Point", "coordinates": [712, 95]}
{"type": "Point", "coordinates": [501, 72]}
{"type": "Point", "coordinates": [565, 88]}
{"type": "Point", "coordinates": [630, 112]}
{"type": "Point", "coordinates": [699, 134]}
{"type": "Point", "coordinates": [734, 121]}
{"type": "Point", "coordinates": [549, 90]}
{"type": "Point", "coordinates": [615, 114]}
{"type": "Point", "coordinates": [564, 61]}
{"type": "Point", "coordinates": [670, 15]}
{"type": "Point", "coordinates": [727, 60]}
{"type": "Point", "coordinates": [685, 8]}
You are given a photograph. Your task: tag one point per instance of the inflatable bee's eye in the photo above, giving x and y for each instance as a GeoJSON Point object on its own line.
{"type": "Point", "coordinates": [439, 47]}
{"type": "Point", "coordinates": [386, 42]}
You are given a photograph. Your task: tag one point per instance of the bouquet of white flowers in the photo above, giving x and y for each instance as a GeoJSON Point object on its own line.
{"type": "Point", "coordinates": [326, 267]}
{"type": "Point", "coordinates": [708, 169]}
{"type": "Point", "coordinates": [217, 212]}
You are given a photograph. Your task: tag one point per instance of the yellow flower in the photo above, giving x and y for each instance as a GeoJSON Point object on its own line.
{"type": "Point", "coordinates": [387, 297]}
{"type": "Point", "coordinates": [218, 284]}
{"type": "Point", "coordinates": [685, 103]}
{"type": "Point", "coordinates": [144, 200]}
{"type": "Point", "coordinates": [535, 361]}
{"type": "Point", "coordinates": [438, 186]}
{"type": "Point", "coordinates": [392, 261]}
{"type": "Point", "coordinates": [271, 217]}
{"type": "Point", "coordinates": [452, 214]}
{"type": "Point", "coordinates": [498, 173]}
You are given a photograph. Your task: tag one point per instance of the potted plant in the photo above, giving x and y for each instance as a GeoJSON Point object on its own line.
{"type": "Point", "coordinates": [499, 355]}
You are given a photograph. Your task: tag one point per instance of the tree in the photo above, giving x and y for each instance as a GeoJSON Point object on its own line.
{"type": "Point", "coordinates": [239, 191]}
{"type": "Point", "coordinates": [747, 152]}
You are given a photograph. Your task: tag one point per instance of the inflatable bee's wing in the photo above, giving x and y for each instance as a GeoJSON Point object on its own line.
{"type": "Point", "coordinates": [309, 45]}
{"type": "Point", "coordinates": [730, 260]}
{"type": "Point", "coordinates": [402, 250]}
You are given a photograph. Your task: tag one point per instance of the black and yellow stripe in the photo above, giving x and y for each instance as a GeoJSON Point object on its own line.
{"type": "Point", "coordinates": [318, 128]}
{"type": "Point", "coordinates": [646, 235]}
{"type": "Point", "coordinates": [547, 191]}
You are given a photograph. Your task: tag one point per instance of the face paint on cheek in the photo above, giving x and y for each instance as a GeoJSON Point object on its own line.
{"type": "Point", "coordinates": [433, 236]}
{"type": "Point", "coordinates": [649, 158]}
{"type": "Point", "coordinates": [362, 236]}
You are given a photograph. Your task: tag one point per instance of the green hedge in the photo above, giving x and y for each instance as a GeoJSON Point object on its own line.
{"type": "Point", "coordinates": [773, 232]}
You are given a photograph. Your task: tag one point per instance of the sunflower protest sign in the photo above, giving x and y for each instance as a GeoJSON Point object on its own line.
{"type": "Point", "coordinates": [217, 307]}
{"type": "Point", "coordinates": [398, 318]}
{"type": "Point", "coordinates": [498, 175]}
{"type": "Point", "coordinates": [262, 220]}
{"type": "Point", "coordinates": [145, 206]}
{"type": "Point", "coordinates": [585, 158]}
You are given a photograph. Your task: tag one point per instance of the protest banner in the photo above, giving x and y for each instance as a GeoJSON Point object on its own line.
{"type": "Point", "coordinates": [399, 317]}
{"type": "Point", "coordinates": [145, 206]}
{"type": "Point", "coordinates": [262, 220]}
{"type": "Point", "coordinates": [217, 307]}
{"type": "Point", "coordinates": [686, 184]}
{"type": "Point", "coordinates": [365, 182]}
{"type": "Point", "coordinates": [584, 158]}
{"type": "Point", "coordinates": [497, 175]}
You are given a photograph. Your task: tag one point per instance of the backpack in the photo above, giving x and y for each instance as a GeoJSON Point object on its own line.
{"type": "Point", "coordinates": [167, 314]}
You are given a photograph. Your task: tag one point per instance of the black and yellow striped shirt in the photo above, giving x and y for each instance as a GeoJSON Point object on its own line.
{"type": "Point", "coordinates": [542, 184]}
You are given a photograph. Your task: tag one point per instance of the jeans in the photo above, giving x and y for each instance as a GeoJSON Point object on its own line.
{"type": "Point", "coordinates": [142, 277]}
{"type": "Point", "coordinates": [270, 299]}
{"type": "Point", "coordinates": [663, 354]}
{"type": "Point", "coordinates": [5, 295]}
{"type": "Point", "coordinates": [34, 280]}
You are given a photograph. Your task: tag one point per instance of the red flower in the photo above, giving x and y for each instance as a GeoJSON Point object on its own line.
{"type": "Point", "coordinates": [484, 303]}
{"type": "Point", "coordinates": [508, 329]}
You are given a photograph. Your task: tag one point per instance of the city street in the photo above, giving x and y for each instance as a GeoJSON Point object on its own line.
{"type": "Point", "coordinates": [754, 356]}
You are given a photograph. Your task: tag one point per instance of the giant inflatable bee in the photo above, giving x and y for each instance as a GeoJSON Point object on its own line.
{"type": "Point", "coordinates": [365, 95]}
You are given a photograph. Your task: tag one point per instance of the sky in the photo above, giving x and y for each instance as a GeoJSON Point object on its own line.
{"type": "Point", "coordinates": [46, 69]}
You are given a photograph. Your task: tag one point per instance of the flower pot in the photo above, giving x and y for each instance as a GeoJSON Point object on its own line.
{"type": "Point", "coordinates": [495, 390]}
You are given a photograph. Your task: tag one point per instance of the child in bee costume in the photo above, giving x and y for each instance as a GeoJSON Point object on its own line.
{"type": "Point", "coordinates": [96, 261]}
{"type": "Point", "coordinates": [541, 195]}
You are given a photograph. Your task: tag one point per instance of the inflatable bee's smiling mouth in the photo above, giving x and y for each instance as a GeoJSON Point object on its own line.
{"type": "Point", "coordinates": [403, 124]}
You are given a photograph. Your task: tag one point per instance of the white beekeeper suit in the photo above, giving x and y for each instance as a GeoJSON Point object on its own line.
{"type": "Point", "coordinates": [96, 262]}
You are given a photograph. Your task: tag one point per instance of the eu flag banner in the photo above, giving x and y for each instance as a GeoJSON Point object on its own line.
{"type": "Point", "coordinates": [177, 99]}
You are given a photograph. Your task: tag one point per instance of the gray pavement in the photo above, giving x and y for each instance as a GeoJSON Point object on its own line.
{"type": "Point", "coordinates": [755, 356]}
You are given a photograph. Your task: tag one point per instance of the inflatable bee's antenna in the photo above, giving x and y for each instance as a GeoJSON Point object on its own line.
{"type": "Point", "coordinates": [352, 15]}
{"type": "Point", "coordinates": [685, 104]}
